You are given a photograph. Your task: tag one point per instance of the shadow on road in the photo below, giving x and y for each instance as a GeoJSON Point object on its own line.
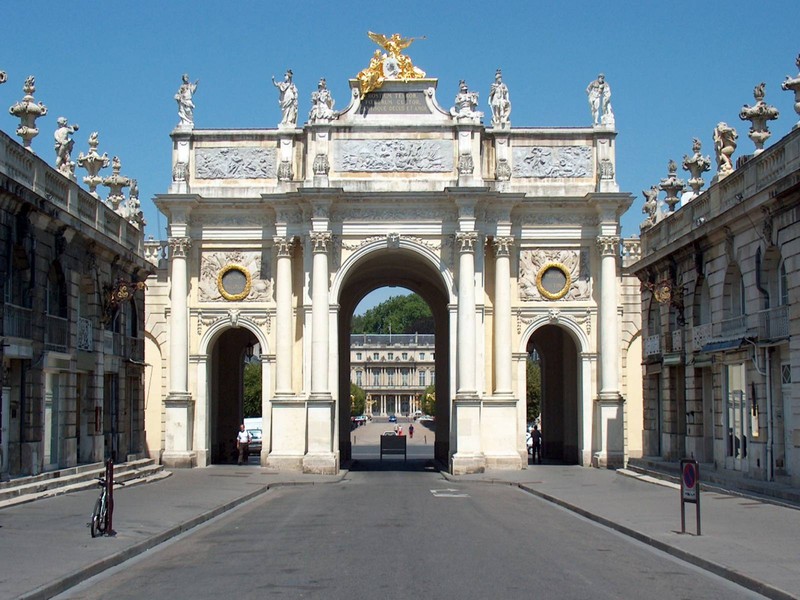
{"type": "Point", "coordinates": [393, 464]}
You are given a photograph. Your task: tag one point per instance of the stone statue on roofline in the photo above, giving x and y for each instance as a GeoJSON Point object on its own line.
{"type": "Point", "coordinates": [63, 147]}
{"type": "Point", "coordinates": [599, 93]}
{"type": "Point", "coordinates": [725, 138]}
{"type": "Point", "coordinates": [650, 208]}
{"type": "Point", "coordinates": [499, 101]}
{"type": "Point", "coordinates": [185, 100]}
{"type": "Point", "coordinates": [465, 104]}
{"type": "Point", "coordinates": [287, 99]}
{"type": "Point", "coordinates": [321, 104]}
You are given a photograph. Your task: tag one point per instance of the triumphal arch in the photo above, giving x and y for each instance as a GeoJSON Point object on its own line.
{"type": "Point", "coordinates": [511, 235]}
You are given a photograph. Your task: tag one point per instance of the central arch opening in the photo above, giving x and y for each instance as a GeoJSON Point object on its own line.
{"type": "Point", "coordinates": [404, 270]}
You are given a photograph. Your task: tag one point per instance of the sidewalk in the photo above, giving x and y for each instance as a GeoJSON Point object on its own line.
{"type": "Point", "coordinates": [746, 540]}
{"type": "Point", "coordinates": [46, 547]}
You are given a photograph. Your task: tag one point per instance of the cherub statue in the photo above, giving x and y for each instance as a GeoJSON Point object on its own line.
{"type": "Point", "coordinates": [725, 138]}
{"type": "Point", "coordinates": [64, 145]}
{"type": "Point", "coordinates": [650, 208]}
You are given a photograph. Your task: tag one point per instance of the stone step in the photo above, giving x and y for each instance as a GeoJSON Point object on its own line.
{"type": "Point", "coordinates": [28, 489]}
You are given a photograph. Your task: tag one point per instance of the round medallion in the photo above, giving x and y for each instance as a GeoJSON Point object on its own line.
{"type": "Point", "coordinates": [233, 282]}
{"type": "Point", "coordinates": [553, 281]}
{"type": "Point", "coordinates": [391, 68]}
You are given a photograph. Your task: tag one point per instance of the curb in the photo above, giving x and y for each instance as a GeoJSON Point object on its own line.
{"type": "Point", "coordinates": [68, 581]}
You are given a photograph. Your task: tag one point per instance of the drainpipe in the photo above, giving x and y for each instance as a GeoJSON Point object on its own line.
{"type": "Point", "coordinates": [770, 441]}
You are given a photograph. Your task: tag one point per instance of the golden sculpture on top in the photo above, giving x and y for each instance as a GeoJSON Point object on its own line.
{"type": "Point", "coordinates": [393, 65]}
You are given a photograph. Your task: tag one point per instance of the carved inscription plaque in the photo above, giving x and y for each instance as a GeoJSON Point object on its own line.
{"type": "Point", "coordinates": [549, 161]}
{"type": "Point", "coordinates": [394, 103]}
{"type": "Point", "coordinates": [235, 163]}
{"type": "Point", "coordinates": [399, 156]}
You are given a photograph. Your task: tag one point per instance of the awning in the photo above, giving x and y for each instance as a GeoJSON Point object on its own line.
{"type": "Point", "coordinates": [722, 345]}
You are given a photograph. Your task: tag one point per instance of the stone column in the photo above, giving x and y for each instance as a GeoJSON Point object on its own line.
{"type": "Point", "coordinates": [609, 429]}
{"type": "Point", "coordinates": [283, 317]}
{"type": "Point", "coordinates": [609, 360]}
{"type": "Point", "coordinates": [502, 316]}
{"type": "Point", "coordinates": [465, 384]}
{"type": "Point", "coordinates": [319, 314]}
{"type": "Point", "coordinates": [320, 457]}
{"type": "Point", "coordinates": [178, 404]}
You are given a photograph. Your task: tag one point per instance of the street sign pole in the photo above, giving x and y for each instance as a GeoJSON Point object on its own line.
{"type": "Point", "coordinates": [690, 490]}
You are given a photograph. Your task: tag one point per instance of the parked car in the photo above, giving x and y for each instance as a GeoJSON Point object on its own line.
{"type": "Point", "coordinates": [255, 441]}
{"type": "Point", "coordinates": [389, 433]}
{"type": "Point", "coordinates": [361, 419]}
{"type": "Point", "coordinates": [392, 419]}
{"type": "Point", "coordinates": [529, 442]}
{"type": "Point", "coordinates": [425, 418]}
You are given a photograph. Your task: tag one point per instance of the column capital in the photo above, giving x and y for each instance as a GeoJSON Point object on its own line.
{"type": "Point", "coordinates": [179, 246]}
{"type": "Point", "coordinates": [503, 245]}
{"type": "Point", "coordinates": [466, 241]}
{"type": "Point", "coordinates": [284, 246]}
{"type": "Point", "coordinates": [320, 240]}
{"type": "Point", "coordinates": [608, 245]}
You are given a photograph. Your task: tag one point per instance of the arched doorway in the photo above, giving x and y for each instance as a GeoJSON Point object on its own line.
{"type": "Point", "coordinates": [560, 376]}
{"type": "Point", "coordinates": [226, 390]}
{"type": "Point", "coordinates": [405, 268]}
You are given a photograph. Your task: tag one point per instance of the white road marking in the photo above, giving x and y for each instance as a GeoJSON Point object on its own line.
{"type": "Point", "coordinates": [448, 493]}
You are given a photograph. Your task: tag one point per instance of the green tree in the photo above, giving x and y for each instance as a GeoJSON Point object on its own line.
{"type": "Point", "coordinates": [533, 381]}
{"type": "Point", "coordinates": [358, 400]}
{"type": "Point", "coordinates": [428, 400]}
{"type": "Point", "coordinates": [398, 314]}
{"type": "Point", "coordinates": [252, 390]}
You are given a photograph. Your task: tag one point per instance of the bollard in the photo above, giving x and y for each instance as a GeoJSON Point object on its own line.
{"type": "Point", "coordinates": [110, 491]}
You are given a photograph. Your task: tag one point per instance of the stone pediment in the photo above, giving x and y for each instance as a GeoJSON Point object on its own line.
{"type": "Point", "coordinates": [396, 102]}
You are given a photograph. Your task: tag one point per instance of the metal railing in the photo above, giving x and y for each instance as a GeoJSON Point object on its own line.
{"type": "Point", "coordinates": [17, 321]}
{"type": "Point", "coordinates": [677, 341]}
{"type": "Point", "coordinates": [85, 334]}
{"type": "Point", "coordinates": [700, 336]}
{"type": "Point", "coordinates": [730, 328]}
{"type": "Point", "coordinates": [56, 333]}
{"type": "Point", "coordinates": [652, 345]}
{"type": "Point", "coordinates": [773, 323]}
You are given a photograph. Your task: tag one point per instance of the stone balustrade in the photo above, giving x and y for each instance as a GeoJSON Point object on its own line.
{"type": "Point", "coordinates": [80, 208]}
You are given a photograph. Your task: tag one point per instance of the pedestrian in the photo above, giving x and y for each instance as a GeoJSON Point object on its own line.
{"type": "Point", "coordinates": [411, 431]}
{"type": "Point", "coordinates": [536, 446]}
{"type": "Point", "coordinates": [400, 430]}
{"type": "Point", "coordinates": [243, 444]}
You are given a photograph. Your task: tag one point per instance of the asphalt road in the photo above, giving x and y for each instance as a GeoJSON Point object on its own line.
{"type": "Point", "coordinates": [403, 531]}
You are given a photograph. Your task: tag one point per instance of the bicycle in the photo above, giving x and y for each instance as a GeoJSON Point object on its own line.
{"type": "Point", "coordinates": [103, 507]}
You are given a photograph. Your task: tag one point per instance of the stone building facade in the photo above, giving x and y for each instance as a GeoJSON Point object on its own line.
{"type": "Point", "coordinates": [721, 313]}
{"type": "Point", "coordinates": [511, 235]}
{"type": "Point", "coordinates": [393, 370]}
{"type": "Point", "coordinates": [72, 357]}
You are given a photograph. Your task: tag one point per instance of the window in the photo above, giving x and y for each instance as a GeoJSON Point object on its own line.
{"type": "Point", "coordinates": [390, 376]}
{"type": "Point", "coordinates": [375, 356]}
{"type": "Point", "coordinates": [404, 375]}
{"type": "Point", "coordinates": [405, 355]}
{"type": "Point", "coordinates": [358, 355]}
{"type": "Point", "coordinates": [391, 355]}
{"type": "Point", "coordinates": [422, 356]}
{"type": "Point", "coordinates": [358, 378]}
{"type": "Point", "coordinates": [422, 378]}
{"type": "Point", "coordinates": [783, 285]}
{"type": "Point", "coordinates": [376, 378]}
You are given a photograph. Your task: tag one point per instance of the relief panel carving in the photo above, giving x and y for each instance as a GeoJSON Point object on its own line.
{"type": "Point", "coordinates": [235, 163]}
{"type": "Point", "coordinates": [393, 156]}
{"type": "Point", "coordinates": [549, 161]}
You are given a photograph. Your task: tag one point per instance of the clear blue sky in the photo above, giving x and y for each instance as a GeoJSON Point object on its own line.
{"type": "Point", "coordinates": [676, 68]}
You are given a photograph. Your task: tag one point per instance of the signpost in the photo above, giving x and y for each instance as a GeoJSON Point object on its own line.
{"type": "Point", "coordinates": [690, 490]}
